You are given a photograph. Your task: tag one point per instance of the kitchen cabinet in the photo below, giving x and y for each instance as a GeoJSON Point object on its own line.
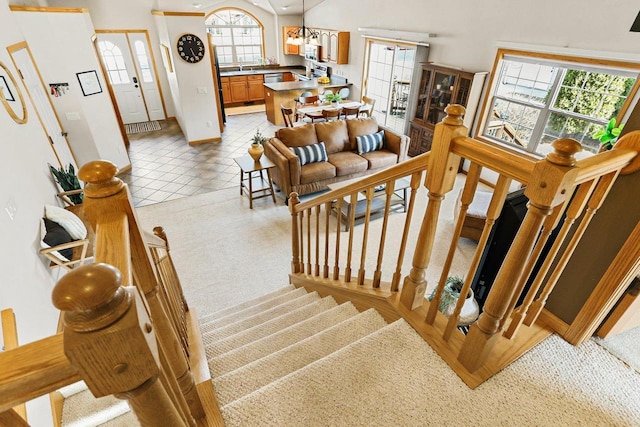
{"type": "Point", "coordinates": [335, 46]}
{"type": "Point", "coordinates": [226, 89]}
{"type": "Point", "coordinates": [243, 89]}
{"type": "Point", "coordinates": [438, 87]}
{"type": "Point", "coordinates": [288, 77]}
{"type": "Point", "coordinates": [290, 49]}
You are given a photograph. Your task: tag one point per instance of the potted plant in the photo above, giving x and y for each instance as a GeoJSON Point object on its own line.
{"type": "Point", "coordinates": [450, 294]}
{"type": "Point", "coordinates": [608, 135]}
{"type": "Point", "coordinates": [256, 149]}
{"type": "Point", "coordinates": [333, 97]}
{"type": "Point", "coordinates": [68, 181]}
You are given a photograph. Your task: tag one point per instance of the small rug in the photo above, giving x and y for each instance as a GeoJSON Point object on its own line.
{"type": "Point", "coordinates": [142, 127]}
{"type": "Point", "coordinates": [244, 109]}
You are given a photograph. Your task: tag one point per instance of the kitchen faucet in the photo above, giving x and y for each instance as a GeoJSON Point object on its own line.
{"type": "Point", "coordinates": [241, 66]}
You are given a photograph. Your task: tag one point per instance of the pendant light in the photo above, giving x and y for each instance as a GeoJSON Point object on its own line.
{"type": "Point", "coordinates": [303, 35]}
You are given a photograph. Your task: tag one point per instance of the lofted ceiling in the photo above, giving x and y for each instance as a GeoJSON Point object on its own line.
{"type": "Point", "coordinates": [277, 7]}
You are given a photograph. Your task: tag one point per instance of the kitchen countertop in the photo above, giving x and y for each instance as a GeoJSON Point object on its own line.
{"type": "Point", "coordinates": [249, 72]}
{"type": "Point", "coordinates": [310, 84]}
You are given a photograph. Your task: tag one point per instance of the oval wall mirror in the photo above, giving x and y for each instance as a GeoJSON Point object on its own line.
{"type": "Point", "coordinates": [11, 96]}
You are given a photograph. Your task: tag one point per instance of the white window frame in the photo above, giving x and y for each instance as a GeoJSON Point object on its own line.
{"type": "Point", "coordinates": [233, 46]}
{"type": "Point", "coordinates": [576, 62]}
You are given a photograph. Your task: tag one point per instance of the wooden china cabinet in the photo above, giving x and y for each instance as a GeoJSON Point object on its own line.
{"type": "Point", "coordinates": [439, 87]}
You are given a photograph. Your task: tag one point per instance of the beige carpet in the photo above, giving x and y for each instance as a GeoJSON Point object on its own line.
{"type": "Point", "coordinates": [227, 254]}
{"type": "Point", "coordinates": [625, 346]}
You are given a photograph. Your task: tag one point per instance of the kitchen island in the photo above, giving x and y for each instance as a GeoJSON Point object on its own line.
{"type": "Point", "coordinates": [284, 93]}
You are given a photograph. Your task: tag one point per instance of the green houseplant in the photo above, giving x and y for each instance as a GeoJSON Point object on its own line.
{"type": "Point", "coordinates": [452, 287]}
{"type": "Point", "coordinates": [609, 134]}
{"type": "Point", "coordinates": [333, 97]}
{"type": "Point", "coordinates": [68, 181]}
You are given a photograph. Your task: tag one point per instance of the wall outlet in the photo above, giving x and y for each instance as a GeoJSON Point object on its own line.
{"type": "Point", "coordinates": [202, 90]}
{"type": "Point", "coordinates": [209, 124]}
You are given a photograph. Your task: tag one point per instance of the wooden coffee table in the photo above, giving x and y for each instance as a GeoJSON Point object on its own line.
{"type": "Point", "coordinates": [252, 180]}
{"type": "Point", "coordinates": [398, 201]}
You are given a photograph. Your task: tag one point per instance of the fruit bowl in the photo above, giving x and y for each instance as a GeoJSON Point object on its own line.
{"type": "Point", "coordinates": [324, 80]}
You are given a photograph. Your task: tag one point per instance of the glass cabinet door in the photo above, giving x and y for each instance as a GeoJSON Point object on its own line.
{"type": "Point", "coordinates": [441, 96]}
{"type": "Point", "coordinates": [464, 87]}
{"type": "Point", "coordinates": [423, 94]}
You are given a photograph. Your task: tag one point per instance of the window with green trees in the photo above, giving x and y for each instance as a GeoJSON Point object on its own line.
{"type": "Point", "coordinates": [535, 100]}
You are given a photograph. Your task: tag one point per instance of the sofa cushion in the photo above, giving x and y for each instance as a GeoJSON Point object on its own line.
{"type": "Point", "coordinates": [359, 127]}
{"type": "Point", "coordinates": [381, 158]}
{"type": "Point", "coordinates": [68, 220]}
{"type": "Point", "coordinates": [298, 136]}
{"type": "Point", "coordinates": [334, 134]}
{"type": "Point", "coordinates": [53, 235]}
{"type": "Point", "coordinates": [370, 142]}
{"type": "Point", "coordinates": [347, 163]}
{"type": "Point", "coordinates": [311, 153]}
{"type": "Point", "coordinates": [314, 172]}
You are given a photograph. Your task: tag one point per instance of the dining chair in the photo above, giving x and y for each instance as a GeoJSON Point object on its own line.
{"type": "Point", "coordinates": [344, 93]}
{"type": "Point", "coordinates": [305, 101]}
{"type": "Point", "coordinates": [330, 114]}
{"type": "Point", "coordinates": [367, 109]}
{"type": "Point", "coordinates": [287, 115]}
{"type": "Point", "coordinates": [324, 94]}
{"type": "Point", "coordinates": [350, 112]}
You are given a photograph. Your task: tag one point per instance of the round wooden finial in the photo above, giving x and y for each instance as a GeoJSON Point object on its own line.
{"type": "Point", "coordinates": [91, 296]}
{"type": "Point", "coordinates": [100, 178]}
{"type": "Point", "coordinates": [565, 148]}
{"type": "Point", "coordinates": [455, 113]}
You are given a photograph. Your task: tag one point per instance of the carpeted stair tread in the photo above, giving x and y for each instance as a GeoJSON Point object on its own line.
{"type": "Point", "coordinates": [216, 348]}
{"type": "Point", "coordinates": [211, 334]}
{"type": "Point", "coordinates": [225, 311]}
{"type": "Point", "coordinates": [242, 381]}
{"type": "Point", "coordinates": [253, 310]}
{"type": "Point", "coordinates": [83, 409]}
{"type": "Point", "coordinates": [255, 350]}
{"type": "Point", "coordinates": [362, 382]}
{"type": "Point", "coordinates": [126, 420]}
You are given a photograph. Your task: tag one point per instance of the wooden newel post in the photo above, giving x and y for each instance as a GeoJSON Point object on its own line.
{"type": "Point", "coordinates": [441, 175]}
{"type": "Point", "coordinates": [105, 193]}
{"type": "Point", "coordinates": [109, 338]}
{"type": "Point", "coordinates": [552, 181]}
{"type": "Point", "coordinates": [296, 262]}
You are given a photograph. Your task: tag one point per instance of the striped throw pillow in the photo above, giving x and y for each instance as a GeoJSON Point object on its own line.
{"type": "Point", "coordinates": [311, 153]}
{"type": "Point", "coordinates": [371, 142]}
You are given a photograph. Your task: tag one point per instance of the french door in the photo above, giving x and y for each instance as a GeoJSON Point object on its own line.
{"type": "Point", "coordinates": [130, 68]}
{"type": "Point", "coordinates": [387, 78]}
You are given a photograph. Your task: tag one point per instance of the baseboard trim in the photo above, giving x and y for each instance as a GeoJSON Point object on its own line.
{"type": "Point", "coordinates": [205, 141]}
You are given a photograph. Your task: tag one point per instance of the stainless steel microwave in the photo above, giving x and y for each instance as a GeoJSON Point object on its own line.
{"type": "Point", "coordinates": [312, 52]}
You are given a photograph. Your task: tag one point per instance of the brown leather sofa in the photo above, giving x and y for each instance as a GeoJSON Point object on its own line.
{"type": "Point", "coordinates": [343, 162]}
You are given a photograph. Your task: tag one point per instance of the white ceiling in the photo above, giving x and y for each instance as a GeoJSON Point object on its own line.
{"type": "Point", "coordinates": [277, 7]}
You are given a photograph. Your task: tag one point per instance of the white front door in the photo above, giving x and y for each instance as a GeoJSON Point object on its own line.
{"type": "Point", "coordinates": [146, 75]}
{"type": "Point", "coordinates": [44, 109]}
{"type": "Point", "coordinates": [124, 79]}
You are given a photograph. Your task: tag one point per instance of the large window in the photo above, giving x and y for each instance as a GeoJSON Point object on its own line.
{"type": "Point", "coordinates": [534, 101]}
{"type": "Point", "coordinates": [238, 37]}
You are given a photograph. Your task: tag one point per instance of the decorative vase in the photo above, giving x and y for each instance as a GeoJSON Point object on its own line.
{"type": "Point", "coordinates": [469, 312]}
{"type": "Point", "coordinates": [255, 151]}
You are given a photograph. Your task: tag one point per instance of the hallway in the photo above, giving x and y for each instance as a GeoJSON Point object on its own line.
{"type": "Point", "coordinates": [166, 167]}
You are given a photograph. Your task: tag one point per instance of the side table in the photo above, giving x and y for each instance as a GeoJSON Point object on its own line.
{"type": "Point", "coordinates": [252, 180]}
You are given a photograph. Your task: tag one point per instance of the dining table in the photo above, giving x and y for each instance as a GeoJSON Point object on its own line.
{"type": "Point", "coordinates": [314, 112]}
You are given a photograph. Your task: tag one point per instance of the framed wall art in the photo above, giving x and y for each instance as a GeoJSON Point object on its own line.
{"type": "Point", "coordinates": [6, 92]}
{"type": "Point", "coordinates": [11, 97]}
{"type": "Point", "coordinates": [89, 82]}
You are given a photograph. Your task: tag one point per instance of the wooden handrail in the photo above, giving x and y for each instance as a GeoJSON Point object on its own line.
{"type": "Point", "coordinates": [33, 370]}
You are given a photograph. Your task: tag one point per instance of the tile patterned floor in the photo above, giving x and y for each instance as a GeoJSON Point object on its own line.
{"type": "Point", "coordinates": [166, 167]}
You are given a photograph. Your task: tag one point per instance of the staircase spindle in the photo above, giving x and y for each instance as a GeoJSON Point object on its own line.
{"type": "Point", "coordinates": [365, 237]}
{"type": "Point", "coordinates": [104, 194]}
{"type": "Point", "coordinates": [327, 211]}
{"type": "Point", "coordinates": [389, 190]}
{"type": "Point", "coordinates": [352, 215]}
{"type": "Point", "coordinates": [397, 274]}
{"type": "Point", "coordinates": [109, 338]}
{"type": "Point", "coordinates": [309, 253]}
{"type": "Point", "coordinates": [296, 266]}
{"type": "Point", "coordinates": [317, 264]}
{"type": "Point", "coordinates": [336, 266]}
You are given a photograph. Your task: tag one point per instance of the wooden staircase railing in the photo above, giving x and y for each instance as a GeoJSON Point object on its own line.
{"type": "Point", "coordinates": [557, 186]}
{"type": "Point", "coordinates": [128, 329]}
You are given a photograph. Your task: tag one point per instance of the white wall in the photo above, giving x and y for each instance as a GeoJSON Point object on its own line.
{"type": "Point", "coordinates": [467, 32]}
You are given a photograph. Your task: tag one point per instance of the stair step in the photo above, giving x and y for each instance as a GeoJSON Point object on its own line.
{"type": "Point", "coordinates": [352, 386]}
{"type": "Point", "coordinates": [253, 310]}
{"type": "Point", "coordinates": [259, 373]}
{"type": "Point", "coordinates": [242, 338]}
{"type": "Point", "coordinates": [248, 353]}
{"type": "Point", "coordinates": [83, 409]}
{"type": "Point", "coordinates": [211, 335]}
{"type": "Point", "coordinates": [127, 420]}
{"type": "Point", "coordinates": [225, 311]}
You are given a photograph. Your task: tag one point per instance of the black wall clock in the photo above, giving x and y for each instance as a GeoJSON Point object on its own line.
{"type": "Point", "coordinates": [190, 48]}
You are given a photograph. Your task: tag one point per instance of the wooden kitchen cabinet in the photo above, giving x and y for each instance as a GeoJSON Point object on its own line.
{"type": "Point", "coordinates": [226, 89]}
{"type": "Point", "coordinates": [439, 87]}
{"type": "Point", "coordinates": [243, 89]}
{"type": "Point", "coordinates": [335, 46]}
{"type": "Point", "coordinates": [255, 88]}
{"type": "Point", "coordinates": [289, 49]}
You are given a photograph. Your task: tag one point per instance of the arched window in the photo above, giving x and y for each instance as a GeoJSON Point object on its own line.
{"type": "Point", "coordinates": [237, 35]}
{"type": "Point", "coordinates": [114, 62]}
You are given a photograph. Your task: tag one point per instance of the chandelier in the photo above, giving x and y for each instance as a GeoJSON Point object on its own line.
{"type": "Point", "coordinates": [303, 35]}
